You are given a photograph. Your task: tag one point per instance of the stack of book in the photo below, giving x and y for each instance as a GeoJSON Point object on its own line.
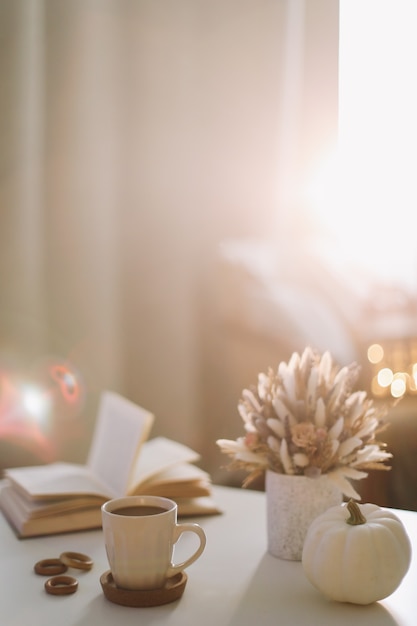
{"type": "Point", "coordinates": [66, 497]}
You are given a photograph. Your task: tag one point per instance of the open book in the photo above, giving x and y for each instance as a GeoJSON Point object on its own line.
{"type": "Point", "coordinates": [63, 497]}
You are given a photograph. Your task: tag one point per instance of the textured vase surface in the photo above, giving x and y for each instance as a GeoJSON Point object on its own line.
{"type": "Point", "coordinates": [292, 504]}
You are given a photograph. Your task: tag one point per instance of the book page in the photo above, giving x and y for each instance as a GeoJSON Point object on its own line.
{"type": "Point", "coordinates": [27, 526]}
{"type": "Point", "coordinates": [31, 509]}
{"type": "Point", "coordinates": [157, 455]}
{"type": "Point", "coordinates": [121, 429]}
{"type": "Point", "coordinates": [56, 480]}
{"type": "Point", "coordinates": [179, 473]}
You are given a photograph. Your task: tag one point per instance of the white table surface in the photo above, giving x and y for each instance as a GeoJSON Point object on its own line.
{"type": "Point", "coordinates": [235, 582]}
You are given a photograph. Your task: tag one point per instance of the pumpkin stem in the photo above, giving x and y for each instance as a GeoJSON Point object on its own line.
{"type": "Point", "coordinates": [356, 516]}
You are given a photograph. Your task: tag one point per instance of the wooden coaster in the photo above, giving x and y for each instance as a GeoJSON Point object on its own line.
{"type": "Point", "coordinates": [171, 591]}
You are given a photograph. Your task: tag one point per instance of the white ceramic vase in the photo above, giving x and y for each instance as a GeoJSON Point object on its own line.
{"type": "Point", "coordinates": [292, 504]}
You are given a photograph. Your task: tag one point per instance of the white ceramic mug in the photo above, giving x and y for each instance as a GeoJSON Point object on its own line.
{"type": "Point", "coordinates": [140, 533]}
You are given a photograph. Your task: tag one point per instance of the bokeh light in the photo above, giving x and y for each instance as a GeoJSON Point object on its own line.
{"type": "Point", "coordinates": [399, 385]}
{"type": "Point", "coordinates": [385, 377]}
{"type": "Point", "coordinates": [375, 353]}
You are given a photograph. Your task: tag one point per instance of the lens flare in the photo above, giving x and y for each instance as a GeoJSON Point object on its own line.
{"type": "Point", "coordinates": [24, 418]}
{"type": "Point", "coordinates": [36, 402]}
{"type": "Point", "coordinates": [67, 382]}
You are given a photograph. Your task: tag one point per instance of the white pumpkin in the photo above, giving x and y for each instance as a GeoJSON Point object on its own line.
{"type": "Point", "coordinates": [356, 553]}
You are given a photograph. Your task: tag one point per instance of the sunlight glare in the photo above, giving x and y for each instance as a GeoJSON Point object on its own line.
{"type": "Point", "coordinates": [364, 195]}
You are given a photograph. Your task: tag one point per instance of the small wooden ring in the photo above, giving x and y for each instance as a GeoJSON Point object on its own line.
{"type": "Point", "coordinates": [61, 585]}
{"type": "Point", "coordinates": [50, 567]}
{"type": "Point", "coordinates": [77, 560]}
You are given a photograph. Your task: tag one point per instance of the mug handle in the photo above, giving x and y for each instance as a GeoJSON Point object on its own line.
{"type": "Point", "coordinates": [178, 530]}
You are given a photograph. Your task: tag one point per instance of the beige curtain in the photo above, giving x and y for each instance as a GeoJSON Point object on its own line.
{"type": "Point", "coordinates": [135, 136]}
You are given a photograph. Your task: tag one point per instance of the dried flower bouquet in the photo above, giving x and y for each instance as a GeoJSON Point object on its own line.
{"type": "Point", "coordinates": [306, 419]}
